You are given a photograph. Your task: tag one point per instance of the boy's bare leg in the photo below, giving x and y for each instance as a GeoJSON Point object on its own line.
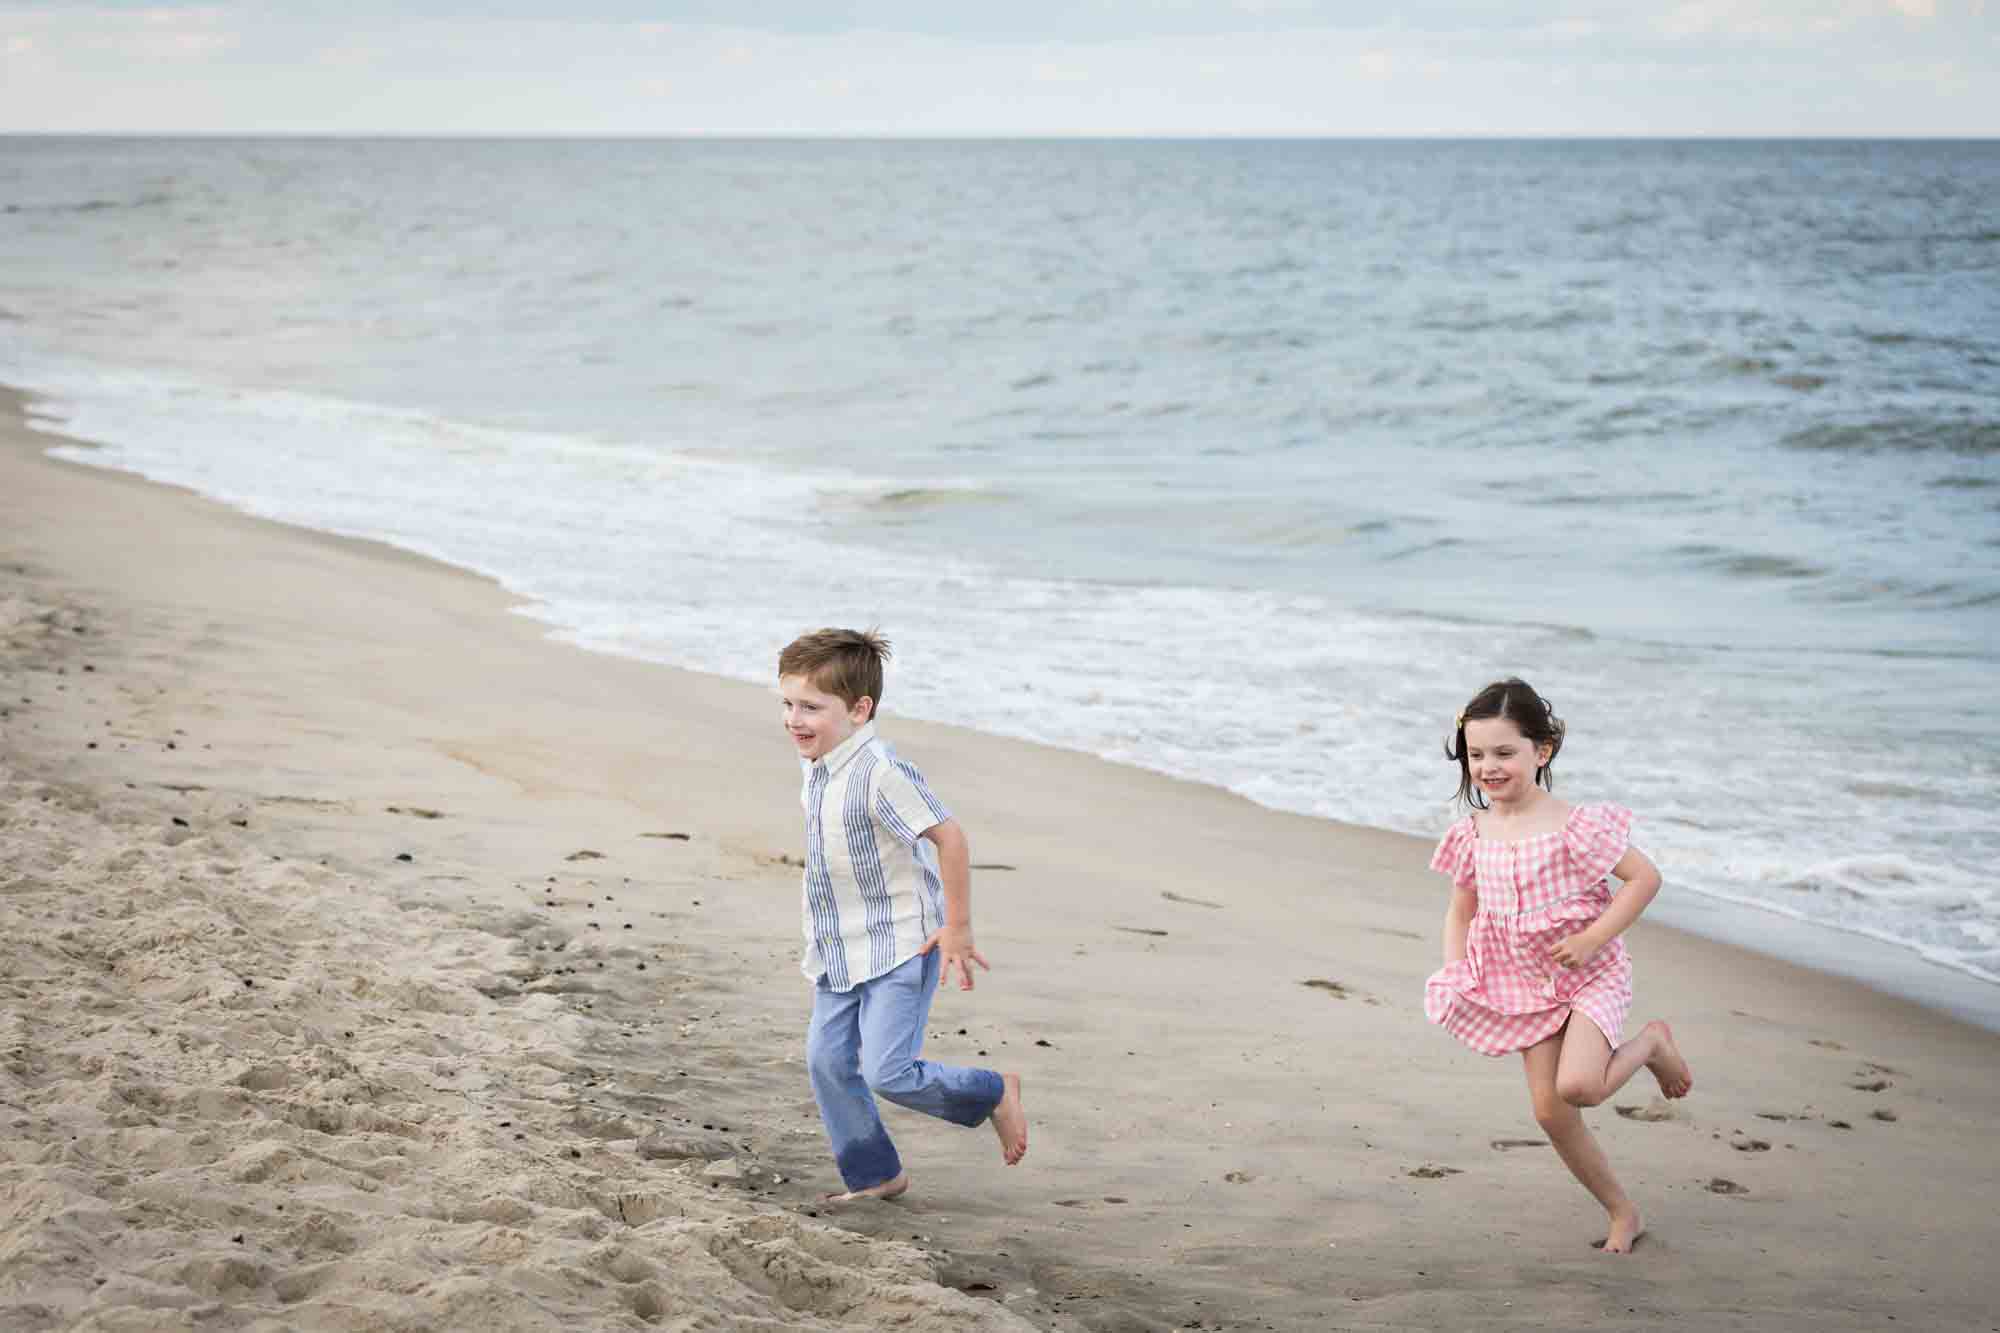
{"type": "Point", "coordinates": [1010, 1121]}
{"type": "Point", "coordinates": [888, 1189]}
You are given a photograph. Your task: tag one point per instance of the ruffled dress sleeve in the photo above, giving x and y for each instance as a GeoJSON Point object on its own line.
{"type": "Point", "coordinates": [1455, 855]}
{"type": "Point", "coordinates": [1596, 836]}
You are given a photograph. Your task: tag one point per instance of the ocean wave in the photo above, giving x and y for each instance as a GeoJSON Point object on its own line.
{"type": "Point", "coordinates": [1895, 880]}
{"type": "Point", "coordinates": [913, 500]}
{"type": "Point", "coordinates": [1615, 500]}
{"type": "Point", "coordinates": [151, 200]}
{"type": "Point", "coordinates": [1747, 564]}
{"type": "Point", "coordinates": [1900, 435]}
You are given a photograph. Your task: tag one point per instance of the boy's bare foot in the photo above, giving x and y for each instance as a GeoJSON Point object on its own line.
{"type": "Point", "coordinates": [1010, 1121]}
{"type": "Point", "coordinates": [1667, 1064]}
{"type": "Point", "coordinates": [888, 1189]}
{"type": "Point", "coordinates": [1626, 1228]}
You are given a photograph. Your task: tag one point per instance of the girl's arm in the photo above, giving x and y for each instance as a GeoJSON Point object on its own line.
{"type": "Point", "coordinates": [1641, 879]}
{"type": "Point", "coordinates": [1457, 920]}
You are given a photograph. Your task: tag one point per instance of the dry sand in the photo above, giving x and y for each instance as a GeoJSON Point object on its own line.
{"type": "Point", "coordinates": [371, 962]}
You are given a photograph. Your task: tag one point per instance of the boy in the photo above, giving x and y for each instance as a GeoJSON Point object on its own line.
{"type": "Point", "coordinates": [888, 911]}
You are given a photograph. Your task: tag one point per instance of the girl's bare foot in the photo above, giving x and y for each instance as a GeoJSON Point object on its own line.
{"type": "Point", "coordinates": [1626, 1228]}
{"type": "Point", "coordinates": [1667, 1064]}
{"type": "Point", "coordinates": [888, 1189]}
{"type": "Point", "coordinates": [1010, 1121]}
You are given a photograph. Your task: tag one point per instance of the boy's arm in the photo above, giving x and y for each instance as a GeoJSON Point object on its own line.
{"type": "Point", "coordinates": [954, 939]}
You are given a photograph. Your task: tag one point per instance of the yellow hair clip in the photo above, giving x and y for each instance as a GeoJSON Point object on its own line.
{"type": "Point", "coordinates": [1460, 724]}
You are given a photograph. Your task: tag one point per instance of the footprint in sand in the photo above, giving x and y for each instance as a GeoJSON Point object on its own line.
{"type": "Point", "coordinates": [1508, 1145]}
{"type": "Point", "coordinates": [1719, 1185]}
{"type": "Point", "coordinates": [1825, 1045]}
{"type": "Point", "coordinates": [1238, 1177]}
{"type": "Point", "coordinates": [1333, 988]}
{"type": "Point", "coordinates": [1775, 1115]}
{"type": "Point", "coordinates": [1433, 1172]}
{"type": "Point", "coordinates": [1653, 1112]}
{"type": "Point", "coordinates": [1750, 1145]}
{"type": "Point", "coordinates": [1871, 1085]}
{"type": "Point", "coordinates": [1884, 1114]}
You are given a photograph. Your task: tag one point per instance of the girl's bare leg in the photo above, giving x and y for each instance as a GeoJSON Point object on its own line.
{"type": "Point", "coordinates": [1590, 1071]}
{"type": "Point", "coordinates": [1575, 1144]}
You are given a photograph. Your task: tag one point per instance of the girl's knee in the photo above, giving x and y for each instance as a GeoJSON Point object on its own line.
{"type": "Point", "coordinates": [1580, 1092]}
{"type": "Point", "coordinates": [1552, 1113]}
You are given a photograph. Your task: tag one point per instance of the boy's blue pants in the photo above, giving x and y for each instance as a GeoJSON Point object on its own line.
{"type": "Point", "coordinates": [869, 1040]}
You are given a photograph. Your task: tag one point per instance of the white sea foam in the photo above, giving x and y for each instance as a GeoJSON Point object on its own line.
{"type": "Point", "coordinates": [1302, 703]}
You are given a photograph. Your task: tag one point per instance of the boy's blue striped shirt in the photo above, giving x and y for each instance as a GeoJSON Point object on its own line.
{"type": "Point", "coordinates": [871, 888]}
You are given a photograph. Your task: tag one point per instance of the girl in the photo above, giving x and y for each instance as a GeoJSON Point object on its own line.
{"type": "Point", "coordinates": [1532, 958]}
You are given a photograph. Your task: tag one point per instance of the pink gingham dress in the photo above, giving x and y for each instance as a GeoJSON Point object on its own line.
{"type": "Point", "coordinates": [1506, 994]}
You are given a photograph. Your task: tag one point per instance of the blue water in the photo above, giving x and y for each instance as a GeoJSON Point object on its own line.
{"type": "Point", "coordinates": [1253, 458]}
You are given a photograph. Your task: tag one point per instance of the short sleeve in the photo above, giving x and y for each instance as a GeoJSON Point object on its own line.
{"type": "Point", "coordinates": [904, 803]}
{"type": "Point", "coordinates": [1456, 855]}
{"type": "Point", "coordinates": [1596, 836]}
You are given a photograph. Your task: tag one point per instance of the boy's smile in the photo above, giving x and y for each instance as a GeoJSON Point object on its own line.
{"type": "Point", "coordinates": [817, 721]}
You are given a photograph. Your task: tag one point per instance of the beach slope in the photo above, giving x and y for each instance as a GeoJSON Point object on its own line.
{"type": "Point", "coordinates": [369, 961]}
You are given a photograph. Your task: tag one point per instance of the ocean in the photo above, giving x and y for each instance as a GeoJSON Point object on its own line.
{"type": "Point", "coordinates": [1246, 461]}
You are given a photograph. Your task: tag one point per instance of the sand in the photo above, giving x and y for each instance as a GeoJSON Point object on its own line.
{"type": "Point", "coordinates": [372, 962]}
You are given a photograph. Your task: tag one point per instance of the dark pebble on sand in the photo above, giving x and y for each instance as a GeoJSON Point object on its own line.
{"type": "Point", "coordinates": [238, 1237]}
{"type": "Point", "coordinates": [576, 1152]}
{"type": "Point", "coordinates": [642, 967]}
{"type": "Point", "coordinates": [88, 667]}
{"type": "Point", "coordinates": [182, 822]}
{"type": "Point", "coordinates": [1040, 1042]}
{"type": "Point", "coordinates": [172, 746]}
{"type": "Point", "coordinates": [90, 745]}
{"type": "Point", "coordinates": [404, 856]}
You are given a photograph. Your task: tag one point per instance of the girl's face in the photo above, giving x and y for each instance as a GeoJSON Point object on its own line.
{"type": "Point", "coordinates": [1502, 761]}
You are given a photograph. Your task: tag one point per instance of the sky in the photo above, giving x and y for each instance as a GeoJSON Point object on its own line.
{"type": "Point", "coordinates": [1029, 67]}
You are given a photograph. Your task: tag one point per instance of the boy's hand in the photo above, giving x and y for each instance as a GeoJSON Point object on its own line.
{"type": "Point", "coordinates": [955, 943]}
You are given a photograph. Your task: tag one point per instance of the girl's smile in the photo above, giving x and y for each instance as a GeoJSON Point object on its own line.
{"type": "Point", "coordinates": [1501, 760]}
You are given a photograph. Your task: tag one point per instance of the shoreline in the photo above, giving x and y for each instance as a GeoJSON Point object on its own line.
{"type": "Point", "coordinates": [434, 850]}
{"type": "Point", "coordinates": [1888, 966]}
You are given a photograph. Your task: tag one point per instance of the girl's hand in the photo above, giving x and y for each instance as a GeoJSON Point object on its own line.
{"type": "Point", "coordinates": [1574, 950]}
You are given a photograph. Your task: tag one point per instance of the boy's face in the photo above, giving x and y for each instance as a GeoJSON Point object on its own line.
{"type": "Point", "coordinates": [817, 721]}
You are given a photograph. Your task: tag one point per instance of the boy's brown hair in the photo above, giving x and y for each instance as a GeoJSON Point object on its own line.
{"type": "Point", "coordinates": [843, 662]}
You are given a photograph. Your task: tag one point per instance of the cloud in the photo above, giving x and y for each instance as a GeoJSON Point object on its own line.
{"type": "Point", "coordinates": [1449, 67]}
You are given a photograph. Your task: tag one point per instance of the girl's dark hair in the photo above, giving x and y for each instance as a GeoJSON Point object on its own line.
{"type": "Point", "coordinates": [1515, 700]}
